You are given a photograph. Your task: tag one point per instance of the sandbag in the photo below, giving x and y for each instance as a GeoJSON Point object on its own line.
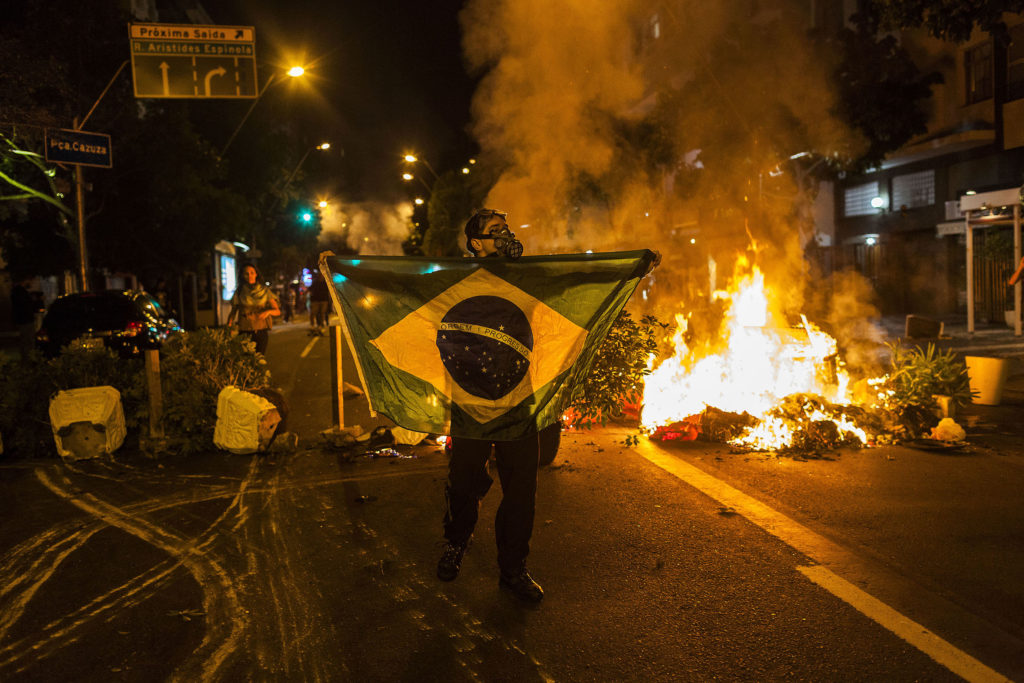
{"type": "Point", "coordinates": [87, 422]}
{"type": "Point", "coordinates": [245, 422]}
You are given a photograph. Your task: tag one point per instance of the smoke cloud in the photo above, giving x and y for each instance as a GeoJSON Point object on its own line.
{"type": "Point", "coordinates": [627, 124]}
{"type": "Point", "coordinates": [365, 227]}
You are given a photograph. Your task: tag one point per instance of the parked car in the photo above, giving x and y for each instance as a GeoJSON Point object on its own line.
{"type": "Point", "coordinates": [126, 321]}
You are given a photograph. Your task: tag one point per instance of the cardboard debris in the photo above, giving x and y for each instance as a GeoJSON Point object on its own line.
{"type": "Point", "coordinates": [87, 422]}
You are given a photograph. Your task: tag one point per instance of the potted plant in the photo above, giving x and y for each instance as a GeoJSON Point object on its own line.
{"type": "Point", "coordinates": [921, 381]}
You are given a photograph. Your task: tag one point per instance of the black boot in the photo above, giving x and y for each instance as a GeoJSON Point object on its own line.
{"type": "Point", "coordinates": [522, 585]}
{"type": "Point", "coordinates": [451, 561]}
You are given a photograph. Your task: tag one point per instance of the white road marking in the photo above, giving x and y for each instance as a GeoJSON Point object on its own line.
{"type": "Point", "coordinates": [309, 347]}
{"type": "Point", "coordinates": [957, 661]}
{"type": "Point", "coordinates": [820, 549]}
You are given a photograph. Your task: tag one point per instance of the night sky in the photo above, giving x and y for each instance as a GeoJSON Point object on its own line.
{"type": "Point", "coordinates": [384, 77]}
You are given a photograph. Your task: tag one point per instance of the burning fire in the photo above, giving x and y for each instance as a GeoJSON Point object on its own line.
{"type": "Point", "coordinates": [760, 365]}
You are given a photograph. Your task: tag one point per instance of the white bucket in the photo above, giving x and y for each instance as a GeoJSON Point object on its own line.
{"type": "Point", "coordinates": [987, 378]}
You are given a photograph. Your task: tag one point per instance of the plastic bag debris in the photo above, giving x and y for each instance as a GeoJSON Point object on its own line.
{"type": "Point", "coordinates": [948, 430]}
{"type": "Point", "coordinates": [87, 422]}
{"type": "Point", "coordinates": [407, 436]}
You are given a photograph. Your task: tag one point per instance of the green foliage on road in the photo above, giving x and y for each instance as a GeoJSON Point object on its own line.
{"type": "Point", "coordinates": [617, 374]}
{"type": "Point", "coordinates": [194, 367]}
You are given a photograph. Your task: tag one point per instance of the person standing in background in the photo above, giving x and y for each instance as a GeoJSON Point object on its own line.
{"type": "Point", "coordinates": [254, 305]}
{"type": "Point", "coordinates": [319, 302]}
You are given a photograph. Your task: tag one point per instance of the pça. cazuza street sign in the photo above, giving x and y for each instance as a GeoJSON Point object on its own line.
{"type": "Point", "coordinates": [193, 62]}
{"type": "Point", "coordinates": [66, 146]}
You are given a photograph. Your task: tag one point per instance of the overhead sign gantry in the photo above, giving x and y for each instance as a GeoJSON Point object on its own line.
{"type": "Point", "coordinates": [194, 62]}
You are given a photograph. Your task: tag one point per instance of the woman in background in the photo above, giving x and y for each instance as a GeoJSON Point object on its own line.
{"type": "Point", "coordinates": [254, 305]}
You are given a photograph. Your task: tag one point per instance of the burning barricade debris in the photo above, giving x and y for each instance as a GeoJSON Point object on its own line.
{"type": "Point", "coordinates": [773, 388]}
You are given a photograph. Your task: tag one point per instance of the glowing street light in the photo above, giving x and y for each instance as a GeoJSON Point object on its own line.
{"type": "Point", "coordinates": [409, 176]}
{"type": "Point", "coordinates": [412, 159]}
{"type": "Point", "coordinates": [465, 170]}
{"type": "Point", "coordinates": [322, 146]}
{"type": "Point", "coordinates": [294, 72]}
{"type": "Point", "coordinates": [322, 204]}
{"type": "Point", "coordinates": [418, 201]}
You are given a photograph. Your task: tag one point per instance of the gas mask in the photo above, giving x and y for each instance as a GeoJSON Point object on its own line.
{"type": "Point", "coordinates": [507, 245]}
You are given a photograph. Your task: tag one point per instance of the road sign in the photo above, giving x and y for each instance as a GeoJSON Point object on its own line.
{"type": "Point", "coordinates": [78, 147]}
{"type": "Point", "coordinates": [192, 61]}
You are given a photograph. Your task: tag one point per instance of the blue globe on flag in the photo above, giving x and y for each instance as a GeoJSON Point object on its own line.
{"type": "Point", "coordinates": [485, 343]}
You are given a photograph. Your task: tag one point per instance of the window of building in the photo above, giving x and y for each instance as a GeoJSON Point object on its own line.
{"type": "Point", "coordinates": [913, 190]}
{"type": "Point", "coordinates": [978, 72]}
{"type": "Point", "coordinates": [1015, 64]}
{"type": "Point", "coordinates": [857, 200]}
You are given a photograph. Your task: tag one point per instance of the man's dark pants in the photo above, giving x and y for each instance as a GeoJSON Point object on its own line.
{"type": "Point", "coordinates": [468, 482]}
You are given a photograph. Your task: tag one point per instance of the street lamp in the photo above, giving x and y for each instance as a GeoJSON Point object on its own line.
{"type": "Point", "coordinates": [321, 146]}
{"type": "Point", "coordinates": [294, 72]}
{"type": "Point", "coordinates": [412, 159]}
{"type": "Point", "coordinates": [409, 176]}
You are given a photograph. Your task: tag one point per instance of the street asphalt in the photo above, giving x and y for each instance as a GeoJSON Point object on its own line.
{"type": "Point", "coordinates": [686, 561]}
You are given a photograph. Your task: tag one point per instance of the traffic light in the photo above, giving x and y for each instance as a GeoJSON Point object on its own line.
{"type": "Point", "coordinates": [306, 217]}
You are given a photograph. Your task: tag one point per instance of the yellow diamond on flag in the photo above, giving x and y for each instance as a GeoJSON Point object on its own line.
{"type": "Point", "coordinates": [547, 345]}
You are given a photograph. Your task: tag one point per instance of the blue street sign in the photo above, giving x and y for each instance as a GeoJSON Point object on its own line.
{"type": "Point", "coordinates": [65, 146]}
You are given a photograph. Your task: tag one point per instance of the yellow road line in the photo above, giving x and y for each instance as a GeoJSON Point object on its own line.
{"type": "Point", "coordinates": [954, 659]}
{"type": "Point", "coordinates": [822, 550]}
{"type": "Point", "coordinates": [309, 347]}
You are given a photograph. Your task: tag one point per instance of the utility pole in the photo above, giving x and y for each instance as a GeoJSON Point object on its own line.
{"type": "Point", "coordinates": [83, 258]}
{"type": "Point", "coordinates": [83, 254]}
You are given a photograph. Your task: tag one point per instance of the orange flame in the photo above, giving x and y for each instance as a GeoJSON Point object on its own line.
{"type": "Point", "coordinates": [760, 365]}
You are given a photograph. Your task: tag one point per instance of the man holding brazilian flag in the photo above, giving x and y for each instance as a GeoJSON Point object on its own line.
{"type": "Point", "coordinates": [481, 349]}
{"type": "Point", "coordinates": [487, 350]}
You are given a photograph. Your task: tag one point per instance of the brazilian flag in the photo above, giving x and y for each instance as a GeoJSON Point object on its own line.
{"type": "Point", "coordinates": [483, 348]}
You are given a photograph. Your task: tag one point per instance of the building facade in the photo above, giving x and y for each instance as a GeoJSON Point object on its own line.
{"type": "Point", "coordinates": [901, 225]}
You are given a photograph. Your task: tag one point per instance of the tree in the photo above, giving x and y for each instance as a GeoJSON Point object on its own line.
{"type": "Point", "coordinates": [290, 240]}
{"type": "Point", "coordinates": [163, 206]}
{"type": "Point", "coordinates": [881, 91]}
{"type": "Point", "coordinates": [35, 234]}
{"type": "Point", "coordinates": [169, 197]}
{"type": "Point", "coordinates": [454, 198]}
{"type": "Point", "coordinates": [951, 20]}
